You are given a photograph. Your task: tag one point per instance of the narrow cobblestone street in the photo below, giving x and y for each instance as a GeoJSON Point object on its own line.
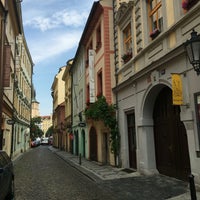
{"type": "Point", "coordinates": [40, 175]}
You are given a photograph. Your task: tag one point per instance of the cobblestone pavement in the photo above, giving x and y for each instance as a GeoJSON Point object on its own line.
{"type": "Point", "coordinates": [154, 185]}
{"type": "Point", "coordinates": [41, 174]}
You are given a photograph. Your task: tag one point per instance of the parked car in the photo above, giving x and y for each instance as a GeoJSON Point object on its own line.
{"type": "Point", "coordinates": [33, 143]}
{"type": "Point", "coordinates": [6, 177]}
{"type": "Point", "coordinates": [45, 141]}
{"type": "Point", "coordinates": [36, 142]}
{"type": "Point", "coordinates": [50, 140]}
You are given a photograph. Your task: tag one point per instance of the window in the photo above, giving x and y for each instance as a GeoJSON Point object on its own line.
{"type": "Point", "coordinates": [7, 67]}
{"type": "Point", "coordinates": [87, 53]}
{"type": "Point", "coordinates": [88, 95]}
{"type": "Point", "coordinates": [100, 84]}
{"type": "Point", "coordinates": [127, 44]}
{"type": "Point", "coordinates": [80, 100]}
{"type": "Point", "coordinates": [98, 38]}
{"type": "Point", "coordinates": [155, 17]}
{"type": "Point", "coordinates": [197, 109]}
{"type": "Point", "coordinates": [127, 38]}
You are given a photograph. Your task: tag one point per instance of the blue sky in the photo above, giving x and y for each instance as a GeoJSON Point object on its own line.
{"type": "Point", "coordinates": [52, 30]}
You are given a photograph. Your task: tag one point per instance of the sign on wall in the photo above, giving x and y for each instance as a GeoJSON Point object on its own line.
{"type": "Point", "coordinates": [91, 76]}
{"type": "Point", "coordinates": [177, 89]}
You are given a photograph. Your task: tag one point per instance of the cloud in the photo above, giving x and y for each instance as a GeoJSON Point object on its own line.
{"type": "Point", "coordinates": [58, 19]}
{"type": "Point", "coordinates": [52, 30]}
{"type": "Point", "coordinates": [53, 44]}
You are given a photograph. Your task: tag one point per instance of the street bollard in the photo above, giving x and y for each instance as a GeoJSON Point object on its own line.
{"type": "Point", "coordinates": [80, 159]}
{"type": "Point", "coordinates": [192, 187]}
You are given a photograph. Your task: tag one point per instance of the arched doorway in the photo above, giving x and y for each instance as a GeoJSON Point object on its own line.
{"type": "Point", "coordinates": [93, 144]}
{"type": "Point", "coordinates": [171, 145]}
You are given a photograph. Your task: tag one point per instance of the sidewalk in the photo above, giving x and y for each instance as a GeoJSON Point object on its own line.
{"type": "Point", "coordinates": [105, 172]}
{"type": "Point", "coordinates": [98, 172]}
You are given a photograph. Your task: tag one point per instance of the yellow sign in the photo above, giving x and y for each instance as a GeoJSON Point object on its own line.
{"type": "Point", "coordinates": [177, 89]}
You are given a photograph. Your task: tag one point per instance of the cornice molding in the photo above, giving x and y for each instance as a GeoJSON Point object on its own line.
{"type": "Point", "coordinates": [123, 11]}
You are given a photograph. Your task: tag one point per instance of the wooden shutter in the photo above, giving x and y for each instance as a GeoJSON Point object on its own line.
{"type": "Point", "coordinates": [7, 67]}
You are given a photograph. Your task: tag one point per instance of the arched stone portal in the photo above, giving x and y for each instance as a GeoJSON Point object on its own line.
{"type": "Point", "coordinates": [163, 135]}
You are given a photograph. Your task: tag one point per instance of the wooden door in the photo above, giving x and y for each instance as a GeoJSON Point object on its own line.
{"type": "Point", "coordinates": [171, 146]}
{"type": "Point", "coordinates": [83, 143]}
{"type": "Point", "coordinates": [93, 144]}
{"type": "Point", "coordinates": [132, 140]}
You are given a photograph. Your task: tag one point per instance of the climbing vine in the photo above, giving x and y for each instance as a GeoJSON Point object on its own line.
{"type": "Point", "coordinates": [101, 110]}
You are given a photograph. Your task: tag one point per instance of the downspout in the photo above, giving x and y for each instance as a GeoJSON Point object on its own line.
{"type": "Point", "coordinates": [117, 159]}
{"type": "Point", "coordinates": [3, 33]}
{"type": "Point", "coordinates": [71, 75]}
{"type": "Point", "coordinates": [14, 110]}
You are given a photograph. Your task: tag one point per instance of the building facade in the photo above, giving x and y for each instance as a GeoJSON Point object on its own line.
{"type": "Point", "coordinates": [158, 134]}
{"type": "Point", "coordinates": [93, 76]}
{"type": "Point", "coordinates": [68, 138]}
{"type": "Point", "coordinates": [79, 135]}
{"type": "Point", "coordinates": [22, 97]}
{"type": "Point", "coordinates": [58, 95]}
{"type": "Point", "coordinates": [16, 81]}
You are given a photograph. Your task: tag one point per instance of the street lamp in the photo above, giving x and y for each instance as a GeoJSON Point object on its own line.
{"type": "Point", "coordinates": [192, 47]}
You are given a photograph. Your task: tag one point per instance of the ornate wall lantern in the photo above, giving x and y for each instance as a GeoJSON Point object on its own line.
{"type": "Point", "coordinates": [192, 47]}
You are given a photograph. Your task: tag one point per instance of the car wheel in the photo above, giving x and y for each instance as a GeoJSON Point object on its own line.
{"type": "Point", "coordinates": [11, 193]}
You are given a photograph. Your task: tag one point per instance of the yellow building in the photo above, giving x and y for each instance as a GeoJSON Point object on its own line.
{"type": "Point", "coordinates": [68, 143]}
{"type": "Point", "coordinates": [58, 95]}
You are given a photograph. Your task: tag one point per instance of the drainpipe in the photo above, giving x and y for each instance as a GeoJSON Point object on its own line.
{"type": "Point", "coordinates": [71, 75]}
{"type": "Point", "coordinates": [117, 157]}
{"type": "Point", "coordinates": [2, 42]}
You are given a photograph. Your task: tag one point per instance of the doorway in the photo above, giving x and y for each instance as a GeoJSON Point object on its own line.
{"type": "Point", "coordinates": [171, 145]}
{"type": "Point", "coordinates": [83, 143]}
{"type": "Point", "coordinates": [93, 144]}
{"type": "Point", "coordinates": [132, 140]}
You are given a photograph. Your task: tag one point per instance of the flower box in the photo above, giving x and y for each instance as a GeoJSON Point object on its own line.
{"type": "Point", "coordinates": [187, 4]}
{"type": "Point", "coordinates": [154, 33]}
{"type": "Point", "coordinates": [126, 57]}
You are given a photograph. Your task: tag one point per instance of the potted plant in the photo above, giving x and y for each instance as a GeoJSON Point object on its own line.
{"type": "Point", "coordinates": [187, 4]}
{"type": "Point", "coordinates": [127, 56]}
{"type": "Point", "coordinates": [101, 110]}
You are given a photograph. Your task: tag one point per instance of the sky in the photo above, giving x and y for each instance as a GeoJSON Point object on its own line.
{"type": "Point", "coordinates": [52, 29]}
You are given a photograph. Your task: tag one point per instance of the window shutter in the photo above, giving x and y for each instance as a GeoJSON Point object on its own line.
{"type": "Point", "coordinates": [7, 67]}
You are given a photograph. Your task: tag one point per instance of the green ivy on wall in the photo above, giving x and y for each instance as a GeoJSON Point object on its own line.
{"type": "Point", "coordinates": [101, 110]}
